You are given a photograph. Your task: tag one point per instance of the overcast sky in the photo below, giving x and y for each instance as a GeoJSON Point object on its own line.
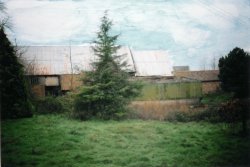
{"type": "Point", "coordinates": [192, 31]}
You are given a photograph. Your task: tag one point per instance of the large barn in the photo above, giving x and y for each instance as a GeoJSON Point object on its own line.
{"type": "Point", "coordinates": [54, 69]}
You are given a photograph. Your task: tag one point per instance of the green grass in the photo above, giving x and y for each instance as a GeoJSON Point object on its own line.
{"type": "Point", "coordinates": [58, 141]}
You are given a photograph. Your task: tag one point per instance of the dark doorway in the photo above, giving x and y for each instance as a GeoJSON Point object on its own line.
{"type": "Point", "coordinates": [52, 90]}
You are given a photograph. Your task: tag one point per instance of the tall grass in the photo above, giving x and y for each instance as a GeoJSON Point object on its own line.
{"type": "Point", "coordinates": [49, 140]}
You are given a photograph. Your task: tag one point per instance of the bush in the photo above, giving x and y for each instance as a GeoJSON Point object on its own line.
{"type": "Point", "coordinates": [179, 116]}
{"type": "Point", "coordinates": [55, 105]}
{"type": "Point", "coordinates": [82, 110]}
{"type": "Point", "coordinates": [210, 115]}
{"type": "Point", "coordinates": [67, 102]}
{"type": "Point", "coordinates": [176, 116]}
{"type": "Point", "coordinates": [49, 105]}
{"type": "Point", "coordinates": [217, 98]}
{"type": "Point", "coordinates": [230, 112]}
{"type": "Point", "coordinates": [214, 102]}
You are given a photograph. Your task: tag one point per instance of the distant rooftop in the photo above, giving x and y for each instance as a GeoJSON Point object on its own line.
{"type": "Point", "coordinates": [207, 75]}
{"type": "Point", "coordinates": [181, 68]}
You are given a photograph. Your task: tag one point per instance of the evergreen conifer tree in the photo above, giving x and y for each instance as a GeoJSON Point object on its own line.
{"type": "Point", "coordinates": [14, 95]}
{"type": "Point", "coordinates": [107, 89]}
{"type": "Point", "coordinates": [235, 72]}
{"type": "Point", "coordinates": [235, 78]}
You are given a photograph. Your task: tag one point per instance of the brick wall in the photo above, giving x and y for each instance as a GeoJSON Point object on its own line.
{"type": "Point", "coordinates": [207, 75]}
{"type": "Point", "coordinates": [38, 90]}
{"type": "Point", "coordinates": [209, 79]}
{"type": "Point", "coordinates": [210, 87]}
{"type": "Point", "coordinates": [65, 81]}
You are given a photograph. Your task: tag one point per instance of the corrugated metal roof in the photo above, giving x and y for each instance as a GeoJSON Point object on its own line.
{"type": "Point", "coordinates": [152, 63]}
{"type": "Point", "coordinates": [55, 60]}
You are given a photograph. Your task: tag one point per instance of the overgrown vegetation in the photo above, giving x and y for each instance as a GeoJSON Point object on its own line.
{"type": "Point", "coordinates": [49, 105]}
{"type": "Point", "coordinates": [216, 98]}
{"type": "Point", "coordinates": [220, 108]}
{"type": "Point", "coordinates": [107, 89]}
{"type": "Point", "coordinates": [50, 140]}
{"type": "Point", "coordinates": [55, 104]}
{"type": "Point", "coordinates": [214, 103]}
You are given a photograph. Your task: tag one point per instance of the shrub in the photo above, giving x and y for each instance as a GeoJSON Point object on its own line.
{"type": "Point", "coordinates": [67, 102]}
{"type": "Point", "coordinates": [234, 111]}
{"type": "Point", "coordinates": [230, 111]}
{"type": "Point", "coordinates": [217, 98]}
{"type": "Point", "coordinates": [178, 116]}
{"type": "Point", "coordinates": [209, 114]}
{"type": "Point", "coordinates": [49, 105]}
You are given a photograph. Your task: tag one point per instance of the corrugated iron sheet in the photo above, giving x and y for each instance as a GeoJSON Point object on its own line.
{"type": "Point", "coordinates": [55, 60]}
{"type": "Point", "coordinates": [150, 63]}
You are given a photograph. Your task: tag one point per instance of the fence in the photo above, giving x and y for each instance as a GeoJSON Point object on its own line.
{"type": "Point", "coordinates": [170, 91]}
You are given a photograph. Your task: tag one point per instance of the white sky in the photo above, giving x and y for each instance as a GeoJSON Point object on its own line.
{"type": "Point", "coordinates": [193, 32]}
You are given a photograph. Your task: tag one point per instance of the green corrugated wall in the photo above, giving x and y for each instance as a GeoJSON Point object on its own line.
{"type": "Point", "coordinates": [166, 91]}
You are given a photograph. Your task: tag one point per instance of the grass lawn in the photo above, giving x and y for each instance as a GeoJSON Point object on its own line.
{"type": "Point", "coordinates": [58, 141]}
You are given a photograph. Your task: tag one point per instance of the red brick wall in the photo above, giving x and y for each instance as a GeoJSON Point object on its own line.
{"type": "Point", "coordinates": [65, 81]}
{"type": "Point", "coordinates": [38, 90]}
{"type": "Point", "coordinates": [210, 87]}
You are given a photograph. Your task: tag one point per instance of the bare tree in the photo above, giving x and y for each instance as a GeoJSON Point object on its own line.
{"type": "Point", "coordinates": [214, 63]}
{"type": "Point", "coordinates": [4, 18]}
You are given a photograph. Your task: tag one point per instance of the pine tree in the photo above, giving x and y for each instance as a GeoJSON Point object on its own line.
{"type": "Point", "coordinates": [107, 89]}
{"type": "Point", "coordinates": [235, 78]}
{"type": "Point", "coordinates": [234, 72]}
{"type": "Point", "coordinates": [14, 97]}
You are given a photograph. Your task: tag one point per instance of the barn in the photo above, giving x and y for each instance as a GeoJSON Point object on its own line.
{"type": "Point", "coordinates": [53, 70]}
